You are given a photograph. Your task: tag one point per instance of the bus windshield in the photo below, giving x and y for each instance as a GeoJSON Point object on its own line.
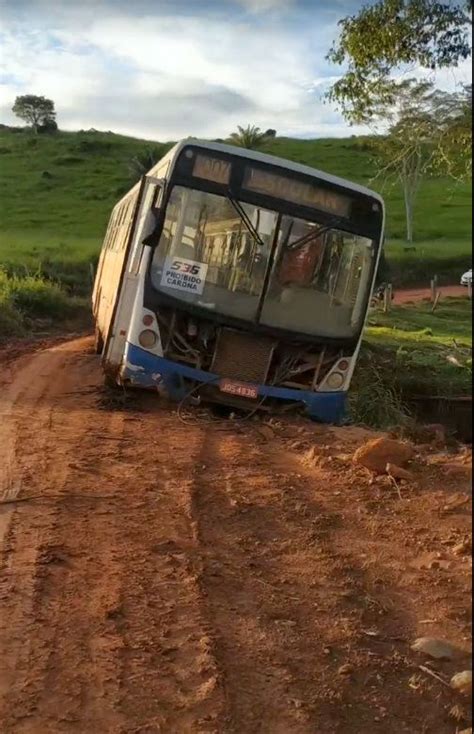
{"type": "Point", "coordinates": [208, 256]}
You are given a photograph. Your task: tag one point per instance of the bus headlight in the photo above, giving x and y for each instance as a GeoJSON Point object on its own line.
{"type": "Point", "coordinates": [335, 381]}
{"type": "Point", "coordinates": [148, 339]}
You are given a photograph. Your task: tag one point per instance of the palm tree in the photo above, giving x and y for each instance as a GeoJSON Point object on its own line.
{"type": "Point", "coordinates": [249, 137]}
{"type": "Point", "coordinates": [146, 159]}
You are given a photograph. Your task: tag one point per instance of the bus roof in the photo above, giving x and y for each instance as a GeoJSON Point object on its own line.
{"type": "Point", "coordinates": [253, 155]}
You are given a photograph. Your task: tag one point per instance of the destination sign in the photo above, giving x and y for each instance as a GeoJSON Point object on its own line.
{"type": "Point", "coordinates": [212, 169]}
{"type": "Point", "coordinates": [296, 191]}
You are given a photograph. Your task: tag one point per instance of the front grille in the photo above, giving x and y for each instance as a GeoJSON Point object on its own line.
{"type": "Point", "coordinates": [241, 356]}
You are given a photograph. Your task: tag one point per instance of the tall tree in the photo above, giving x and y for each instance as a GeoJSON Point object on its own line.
{"type": "Point", "coordinates": [36, 111]}
{"type": "Point", "coordinates": [389, 34]}
{"type": "Point", "coordinates": [249, 137]}
{"type": "Point", "coordinates": [453, 154]}
{"type": "Point", "coordinates": [406, 152]}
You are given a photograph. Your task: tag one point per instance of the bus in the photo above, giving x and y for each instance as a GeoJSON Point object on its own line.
{"type": "Point", "coordinates": [240, 278]}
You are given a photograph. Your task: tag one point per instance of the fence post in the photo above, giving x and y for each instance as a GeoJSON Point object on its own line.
{"type": "Point", "coordinates": [387, 298]}
{"type": "Point", "coordinates": [434, 288]}
{"type": "Point", "coordinates": [436, 301]}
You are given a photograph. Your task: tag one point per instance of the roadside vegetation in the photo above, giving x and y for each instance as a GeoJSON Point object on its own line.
{"type": "Point", "coordinates": [412, 352]}
{"type": "Point", "coordinates": [31, 302]}
{"type": "Point", "coordinates": [57, 191]}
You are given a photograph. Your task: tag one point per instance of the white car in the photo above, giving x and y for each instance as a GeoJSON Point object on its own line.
{"type": "Point", "coordinates": [467, 278]}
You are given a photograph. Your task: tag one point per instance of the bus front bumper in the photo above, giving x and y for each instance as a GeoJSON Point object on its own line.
{"type": "Point", "coordinates": [145, 370]}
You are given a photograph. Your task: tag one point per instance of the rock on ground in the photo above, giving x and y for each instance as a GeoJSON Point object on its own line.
{"type": "Point", "coordinates": [376, 454]}
{"type": "Point", "coordinates": [462, 682]}
{"type": "Point", "coordinates": [398, 472]}
{"type": "Point", "coordinates": [464, 548]}
{"type": "Point", "coordinates": [437, 649]}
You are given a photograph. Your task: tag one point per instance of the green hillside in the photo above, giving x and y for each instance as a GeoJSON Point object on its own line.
{"type": "Point", "coordinates": [56, 193]}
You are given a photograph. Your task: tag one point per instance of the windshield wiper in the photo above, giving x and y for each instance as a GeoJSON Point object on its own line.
{"type": "Point", "coordinates": [246, 220]}
{"type": "Point", "coordinates": [311, 235]}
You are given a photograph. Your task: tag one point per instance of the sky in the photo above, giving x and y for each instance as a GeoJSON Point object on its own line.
{"type": "Point", "coordinates": [167, 69]}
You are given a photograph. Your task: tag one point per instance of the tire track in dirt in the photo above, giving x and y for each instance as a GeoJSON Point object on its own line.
{"type": "Point", "coordinates": [289, 604]}
{"type": "Point", "coordinates": [32, 562]}
{"type": "Point", "coordinates": [263, 579]}
{"type": "Point", "coordinates": [184, 579]}
{"type": "Point", "coordinates": [79, 585]}
{"type": "Point", "coordinates": [170, 681]}
{"type": "Point", "coordinates": [24, 445]}
{"type": "Point", "coordinates": [103, 627]}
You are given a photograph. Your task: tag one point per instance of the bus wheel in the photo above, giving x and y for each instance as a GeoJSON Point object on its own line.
{"type": "Point", "coordinates": [98, 342]}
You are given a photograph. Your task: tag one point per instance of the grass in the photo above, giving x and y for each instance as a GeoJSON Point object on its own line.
{"type": "Point", "coordinates": [447, 258]}
{"type": "Point", "coordinates": [61, 258]}
{"type": "Point", "coordinates": [414, 324]}
{"type": "Point", "coordinates": [411, 352]}
{"type": "Point", "coordinates": [430, 353]}
{"type": "Point", "coordinates": [56, 194]}
{"type": "Point", "coordinates": [26, 302]}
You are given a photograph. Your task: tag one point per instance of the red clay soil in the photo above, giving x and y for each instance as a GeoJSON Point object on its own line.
{"type": "Point", "coordinates": [188, 578]}
{"type": "Point", "coordinates": [414, 295]}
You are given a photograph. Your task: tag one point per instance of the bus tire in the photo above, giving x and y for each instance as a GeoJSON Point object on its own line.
{"type": "Point", "coordinates": [98, 341]}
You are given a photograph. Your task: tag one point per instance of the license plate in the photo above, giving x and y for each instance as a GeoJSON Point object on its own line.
{"type": "Point", "coordinates": [241, 389]}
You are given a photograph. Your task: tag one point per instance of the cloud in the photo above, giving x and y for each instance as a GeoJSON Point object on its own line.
{"type": "Point", "coordinates": [168, 69]}
{"type": "Point", "coordinates": [259, 6]}
{"type": "Point", "coordinates": [163, 75]}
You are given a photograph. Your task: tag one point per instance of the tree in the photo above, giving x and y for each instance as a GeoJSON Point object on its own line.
{"type": "Point", "coordinates": [249, 137]}
{"type": "Point", "coordinates": [49, 127]}
{"type": "Point", "coordinates": [389, 34]}
{"type": "Point", "coordinates": [36, 111]}
{"type": "Point", "coordinates": [146, 159]}
{"type": "Point", "coordinates": [407, 152]}
{"type": "Point", "coordinates": [429, 132]}
{"type": "Point", "coordinates": [270, 133]}
{"type": "Point", "coordinates": [453, 154]}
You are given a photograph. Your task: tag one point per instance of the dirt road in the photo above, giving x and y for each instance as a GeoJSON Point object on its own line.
{"type": "Point", "coordinates": [157, 576]}
{"type": "Point", "coordinates": [413, 295]}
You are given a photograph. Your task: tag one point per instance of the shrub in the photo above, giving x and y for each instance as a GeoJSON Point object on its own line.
{"type": "Point", "coordinates": [10, 319]}
{"type": "Point", "coordinates": [35, 297]}
{"type": "Point", "coordinates": [10, 322]}
{"type": "Point", "coordinates": [375, 398]}
{"type": "Point", "coordinates": [24, 299]}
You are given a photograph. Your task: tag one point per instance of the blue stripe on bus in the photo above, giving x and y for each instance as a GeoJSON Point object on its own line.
{"type": "Point", "coordinates": [142, 369]}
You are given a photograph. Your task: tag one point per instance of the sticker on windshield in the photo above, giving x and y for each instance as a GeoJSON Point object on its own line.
{"type": "Point", "coordinates": [184, 275]}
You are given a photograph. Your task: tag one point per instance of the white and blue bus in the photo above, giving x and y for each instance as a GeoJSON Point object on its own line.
{"type": "Point", "coordinates": [246, 276]}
